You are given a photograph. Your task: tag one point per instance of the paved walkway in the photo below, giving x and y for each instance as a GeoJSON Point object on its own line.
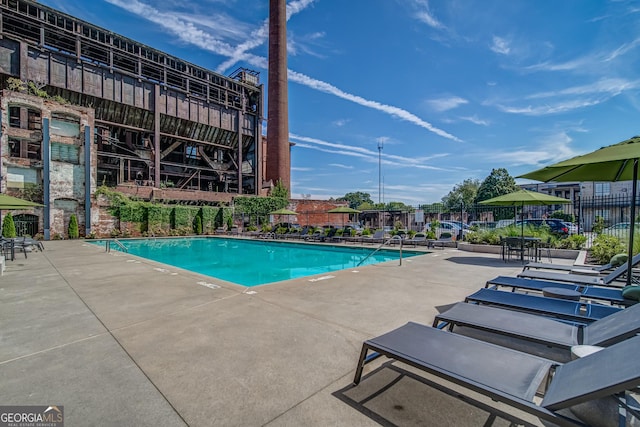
{"type": "Point", "coordinates": [119, 340]}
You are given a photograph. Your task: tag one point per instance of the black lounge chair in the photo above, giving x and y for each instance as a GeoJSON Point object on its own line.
{"type": "Point", "coordinates": [574, 268]}
{"type": "Point", "coordinates": [508, 376]}
{"type": "Point", "coordinates": [577, 278]}
{"type": "Point", "coordinates": [573, 311]}
{"type": "Point", "coordinates": [530, 327]}
{"type": "Point", "coordinates": [610, 295]}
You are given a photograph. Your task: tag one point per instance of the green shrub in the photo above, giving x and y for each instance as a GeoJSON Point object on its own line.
{"type": "Point", "coordinates": [618, 260]}
{"type": "Point", "coordinates": [575, 241]}
{"type": "Point", "coordinates": [598, 225]}
{"type": "Point", "coordinates": [197, 225]}
{"type": "Point", "coordinates": [8, 226]}
{"type": "Point", "coordinates": [605, 247]}
{"type": "Point", "coordinates": [73, 227]}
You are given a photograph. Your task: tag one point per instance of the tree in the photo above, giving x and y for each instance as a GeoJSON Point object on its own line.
{"type": "Point", "coordinates": [8, 226]}
{"type": "Point", "coordinates": [73, 227]}
{"type": "Point", "coordinates": [279, 190]}
{"type": "Point", "coordinates": [356, 199]}
{"type": "Point", "coordinates": [464, 192]}
{"type": "Point", "coordinates": [498, 183]}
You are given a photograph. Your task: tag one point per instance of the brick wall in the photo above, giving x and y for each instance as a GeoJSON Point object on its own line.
{"type": "Point", "coordinates": [314, 212]}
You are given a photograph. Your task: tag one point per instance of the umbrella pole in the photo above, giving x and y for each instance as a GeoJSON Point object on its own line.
{"type": "Point", "coordinates": [633, 220]}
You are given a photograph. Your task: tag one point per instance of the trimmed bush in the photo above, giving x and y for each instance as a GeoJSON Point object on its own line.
{"type": "Point", "coordinates": [73, 227]}
{"type": "Point", "coordinates": [8, 226]}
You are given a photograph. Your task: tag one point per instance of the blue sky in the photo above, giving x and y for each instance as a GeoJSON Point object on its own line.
{"type": "Point", "coordinates": [452, 89]}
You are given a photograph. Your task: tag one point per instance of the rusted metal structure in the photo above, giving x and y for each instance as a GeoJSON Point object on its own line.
{"type": "Point", "coordinates": [278, 147]}
{"type": "Point", "coordinates": [159, 120]}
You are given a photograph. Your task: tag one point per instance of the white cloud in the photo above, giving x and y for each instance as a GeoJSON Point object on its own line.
{"type": "Point", "coordinates": [500, 45]}
{"type": "Point", "coordinates": [551, 148]}
{"type": "Point", "coordinates": [338, 165]}
{"type": "Point", "coordinates": [475, 120]}
{"type": "Point", "coordinates": [444, 104]}
{"type": "Point", "coordinates": [341, 122]}
{"type": "Point", "coordinates": [188, 33]}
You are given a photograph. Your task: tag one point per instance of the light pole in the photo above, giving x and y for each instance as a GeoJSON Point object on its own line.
{"type": "Point", "coordinates": [380, 145]}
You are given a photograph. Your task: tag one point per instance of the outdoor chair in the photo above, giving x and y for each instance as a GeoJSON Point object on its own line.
{"type": "Point", "coordinates": [573, 268]}
{"type": "Point", "coordinates": [418, 239]}
{"type": "Point", "coordinates": [610, 295]}
{"type": "Point", "coordinates": [539, 329]}
{"type": "Point", "coordinates": [445, 239]}
{"type": "Point", "coordinates": [466, 366]}
{"type": "Point", "coordinates": [514, 245]}
{"type": "Point", "coordinates": [573, 311]}
{"type": "Point", "coordinates": [582, 279]}
{"type": "Point", "coordinates": [377, 237]}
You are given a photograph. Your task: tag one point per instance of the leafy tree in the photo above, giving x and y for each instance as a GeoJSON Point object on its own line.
{"type": "Point", "coordinates": [498, 183]}
{"type": "Point", "coordinates": [356, 199]}
{"type": "Point", "coordinates": [197, 225]}
{"type": "Point", "coordinates": [398, 206]}
{"type": "Point", "coordinates": [8, 226]}
{"type": "Point", "coordinates": [279, 190]}
{"type": "Point", "coordinates": [73, 227]}
{"type": "Point", "coordinates": [465, 192]}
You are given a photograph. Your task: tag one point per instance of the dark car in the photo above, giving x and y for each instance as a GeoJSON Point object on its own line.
{"type": "Point", "coordinates": [556, 225]}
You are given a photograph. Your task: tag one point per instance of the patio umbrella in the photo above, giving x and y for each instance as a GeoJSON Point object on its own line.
{"type": "Point", "coordinates": [284, 211]}
{"type": "Point", "coordinates": [9, 203]}
{"type": "Point", "coordinates": [617, 162]}
{"type": "Point", "coordinates": [522, 198]}
{"type": "Point", "coordinates": [343, 210]}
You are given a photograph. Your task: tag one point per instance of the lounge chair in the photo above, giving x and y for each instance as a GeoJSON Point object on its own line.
{"type": "Point", "coordinates": [504, 375]}
{"type": "Point", "coordinates": [553, 333]}
{"type": "Point", "coordinates": [444, 240]}
{"type": "Point", "coordinates": [573, 311]}
{"type": "Point", "coordinates": [609, 279]}
{"type": "Point", "coordinates": [576, 268]}
{"type": "Point", "coordinates": [610, 295]}
{"type": "Point", "coordinates": [378, 237]}
{"type": "Point", "coordinates": [418, 239]}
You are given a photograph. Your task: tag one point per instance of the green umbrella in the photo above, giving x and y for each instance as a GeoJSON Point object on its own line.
{"type": "Point", "coordinates": [343, 210]}
{"type": "Point", "coordinates": [13, 203]}
{"type": "Point", "coordinates": [522, 198]}
{"type": "Point", "coordinates": [617, 162]}
{"type": "Point", "coordinates": [283, 211]}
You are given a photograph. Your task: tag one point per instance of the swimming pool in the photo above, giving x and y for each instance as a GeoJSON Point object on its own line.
{"type": "Point", "coordinates": [254, 262]}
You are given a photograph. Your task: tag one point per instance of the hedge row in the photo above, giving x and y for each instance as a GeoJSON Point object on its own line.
{"type": "Point", "coordinates": [159, 219]}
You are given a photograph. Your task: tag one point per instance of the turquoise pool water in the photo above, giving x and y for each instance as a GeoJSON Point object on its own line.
{"type": "Point", "coordinates": [254, 262]}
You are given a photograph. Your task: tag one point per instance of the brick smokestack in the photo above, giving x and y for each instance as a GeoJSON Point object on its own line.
{"type": "Point", "coordinates": [278, 151]}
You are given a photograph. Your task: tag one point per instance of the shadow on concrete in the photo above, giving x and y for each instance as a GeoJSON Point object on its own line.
{"type": "Point", "coordinates": [392, 396]}
{"type": "Point", "coordinates": [484, 261]}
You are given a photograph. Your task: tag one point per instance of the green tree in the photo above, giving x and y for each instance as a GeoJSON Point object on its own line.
{"type": "Point", "coordinates": [464, 192]}
{"type": "Point", "coordinates": [197, 224]}
{"type": "Point", "coordinates": [8, 226]}
{"type": "Point", "coordinates": [279, 190]}
{"type": "Point", "coordinates": [356, 199]}
{"type": "Point", "coordinates": [73, 227]}
{"type": "Point", "coordinates": [498, 183]}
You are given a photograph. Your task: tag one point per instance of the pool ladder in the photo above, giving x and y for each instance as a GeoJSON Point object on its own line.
{"type": "Point", "coordinates": [107, 246]}
{"type": "Point", "coordinates": [377, 249]}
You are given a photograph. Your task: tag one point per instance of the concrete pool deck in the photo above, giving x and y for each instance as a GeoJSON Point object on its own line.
{"type": "Point", "coordinates": [119, 340]}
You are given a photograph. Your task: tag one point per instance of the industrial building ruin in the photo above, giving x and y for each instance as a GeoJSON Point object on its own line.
{"type": "Point", "coordinates": [84, 106]}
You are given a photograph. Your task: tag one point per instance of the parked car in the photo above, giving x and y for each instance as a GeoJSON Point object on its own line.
{"type": "Point", "coordinates": [451, 227]}
{"type": "Point", "coordinates": [620, 229]}
{"type": "Point", "coordinates": [573, 229]}
{"type": "Point", "coordinates": [483, 225]}
{"type": "Point", "coordinates": [557, 226]}
{"type": "Point", "coordinates": [505, 223]}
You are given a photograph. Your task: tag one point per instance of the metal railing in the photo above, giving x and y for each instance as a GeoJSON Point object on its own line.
{"type": "Point", "coordinates": [117, 242]}
{"type": "Point", "coordinates": [380, 247]}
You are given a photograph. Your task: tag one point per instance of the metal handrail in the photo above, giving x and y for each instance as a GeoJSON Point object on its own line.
{"type": "Point", "coordinates": [380, 247]}
{"type": "Point", "coordinates": [117, 242]}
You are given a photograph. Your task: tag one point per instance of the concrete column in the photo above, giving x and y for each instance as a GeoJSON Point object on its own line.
{"type": "Point", "coordinates": [87, 179]}
{"type": "Point", "coordinates": [278, 154]}
{"type": "Point", "coordinates": [46, 181]}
